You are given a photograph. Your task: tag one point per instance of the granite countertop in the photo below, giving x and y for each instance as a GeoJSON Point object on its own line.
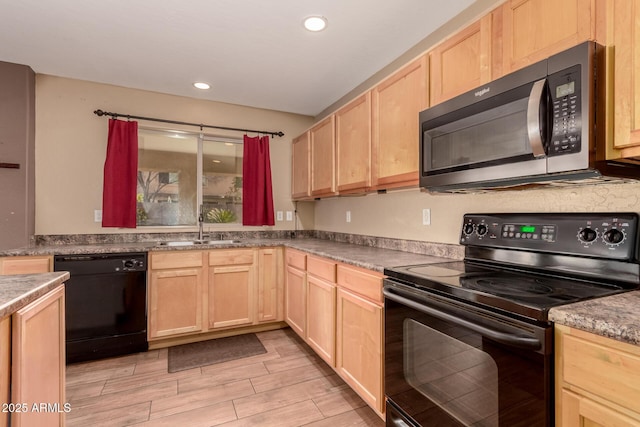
{"type": "Point", "coordinates": [616, 316]}
{"type": "Point", "coordinates": [16, 291]}
{"type": "Point", "coordinates": [368, 257]}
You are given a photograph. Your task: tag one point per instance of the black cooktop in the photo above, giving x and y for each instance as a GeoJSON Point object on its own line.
{"type": "Point", "coordinates": [524, 293]}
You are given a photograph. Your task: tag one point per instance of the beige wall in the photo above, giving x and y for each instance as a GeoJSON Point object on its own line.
{"type": "Point", "coordinates": [71, 146]}
{"type": "Point", "coordinates": [399, 214]}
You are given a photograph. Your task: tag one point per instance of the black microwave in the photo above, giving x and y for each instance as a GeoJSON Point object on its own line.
{"type": "Point", "coordinates": [536, 124]}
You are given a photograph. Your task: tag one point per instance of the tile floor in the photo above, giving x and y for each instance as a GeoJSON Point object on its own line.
{"type": "Point", "coordinates": [287, 386]}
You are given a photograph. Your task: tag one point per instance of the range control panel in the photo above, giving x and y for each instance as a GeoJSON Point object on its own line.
{"type": "Point", "coordinates": [606, 235]}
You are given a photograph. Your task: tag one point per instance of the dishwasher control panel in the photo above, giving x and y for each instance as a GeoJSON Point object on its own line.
{"type": "Point", "coordinates": [101, 263]}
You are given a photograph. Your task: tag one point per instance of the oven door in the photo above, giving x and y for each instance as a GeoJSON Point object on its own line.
{"type": "Point", "coordinates": [451, 364]}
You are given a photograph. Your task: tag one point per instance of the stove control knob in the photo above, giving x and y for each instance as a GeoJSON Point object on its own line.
{"type": "Point", "coordinates": [482, 229]}
{"type": "Point", "coordinates": [613, 236]}
{"type": "Point", "coordinates": [468, 229]}
{"type": "Point", "coordinates": [587, 235]}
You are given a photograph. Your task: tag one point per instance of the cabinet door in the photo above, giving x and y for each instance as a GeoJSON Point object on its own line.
{"type": "Point", "coordinates": [301, 167]}
{"type": "Point", "coordinates": [321, 317]}
{"type": "Point", "coordinates": [462, 62]}
{"type": "Point", "coordinates": [536, 29]}
{"type": "Point", "coordinates": [175, 302]}
{"type": "Point", "coordinates": [323, 155]}
{"type": "Point", "coordinates": [26, 265]}
{"type": "Point", "coordinates": [359, 341]}
{"type": "Point", "coordinates": [270, 286]}
{"type": "Point", "coordinates": [396, 103]}
{"type": "Point", "coordinates": [231, 290]}
{"type": "Point", "coordinates": [353, 145]}
{"type": "Point", "coordinates": [579, 411]}
{"type": "Point", "coordinates": [624, 59]}
{"type": "Point", "coordinates": [38, 354]}
{"type": "Point", "coordinates": [5, 366]}
{"type": "Point", "coordinates": [295, 298]}
{"type": "Point", "coordinates": [231, 296]}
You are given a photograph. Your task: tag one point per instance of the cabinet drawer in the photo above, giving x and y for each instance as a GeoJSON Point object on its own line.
{"type": "Point", "coordinates": [611, 373]}
{"type": "Point", "coordinates": [25, 265]}
{"type": "Point", "coordinates": [231, 257]}
{"type": "Point", "coordinates": [322, 268]}
{"type": "Point", "coordinates": [296, 259]}
{"type": "Point", "coordinates": [179, 259]}
{"type": "Point", "coordinates": [364, 282]}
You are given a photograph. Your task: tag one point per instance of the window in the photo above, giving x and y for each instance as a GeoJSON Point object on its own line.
{"type": "Point", "coordinates": [180, 171]}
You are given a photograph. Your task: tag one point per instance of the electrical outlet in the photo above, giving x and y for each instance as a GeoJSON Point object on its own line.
{"type": "Point", "coordinates": [289, 216]}
{"type": "Point", "coordinates": [348, 216]}
{"type": "Point", "coordinates": [279, 216]}
{"type": "Point", "coordinates": [426, 216]}
{"type": "Point", "coordinates": [97, 215]}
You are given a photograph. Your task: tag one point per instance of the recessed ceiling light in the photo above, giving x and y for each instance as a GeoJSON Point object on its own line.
{"type": "Point", "coordinates": [315, 23]}
{"type": "Point", "coordinates": [201, 85]}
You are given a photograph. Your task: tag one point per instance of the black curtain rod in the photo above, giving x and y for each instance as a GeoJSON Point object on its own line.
{"type": "Point", "coordinates": [101, 113]}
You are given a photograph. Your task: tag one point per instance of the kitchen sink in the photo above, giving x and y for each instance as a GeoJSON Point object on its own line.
{"type": "Point", "coordinates": [198, 242]}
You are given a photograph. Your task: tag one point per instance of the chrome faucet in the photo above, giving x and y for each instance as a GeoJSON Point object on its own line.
{"type": "Point", "coordinates": [201, 223]}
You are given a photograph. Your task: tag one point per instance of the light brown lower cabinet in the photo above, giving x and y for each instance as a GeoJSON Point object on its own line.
{"type": "Point", "coordinates": [26, 264]}
{"type": "Point", "coordinates": [295, 291]}
{"type": "Point", "coordinates": [5, 367]}
{"type": "Point", "coordinates": [270, 285]}
{"type": "Point", "coordinates": [321, 307]}
{"type": "Point", "coordinates": [175, 293]}
{"type": "Point", "coordinates": [359, 351]}
{"type": "Point", "coordinates": [231, 282]}
{"type": "Point", "coordinates": [338, 310]}
{"type": "Point", "coordinates": [597, 380]}
{"type": "Point", "coordinates": [38, 362]}
{"type": "Point", "coordinates": [193, 295]}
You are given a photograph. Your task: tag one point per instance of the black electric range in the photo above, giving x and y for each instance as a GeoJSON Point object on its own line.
{"type": "Point", "coordinates": [469, 343]}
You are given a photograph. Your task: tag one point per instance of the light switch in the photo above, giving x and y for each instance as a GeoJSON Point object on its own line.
{"type": "Point", "coordinates": [279, 216]}
{"type": "Point", "coordinates": [289, 216]}
{"type": "Point", "coordinates": [97, 215]}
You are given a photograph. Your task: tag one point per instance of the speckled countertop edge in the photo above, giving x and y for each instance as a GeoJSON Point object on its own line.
{"type": "Point", "coordinates": [16, 291]}
{"type": "Point", "coordinates": [368, 257]}
{"type": "Point", "coordinates": [616, 316]}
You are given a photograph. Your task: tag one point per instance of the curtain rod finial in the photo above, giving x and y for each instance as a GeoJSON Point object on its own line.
{"type": "Point", "coordinates": [99, 113]}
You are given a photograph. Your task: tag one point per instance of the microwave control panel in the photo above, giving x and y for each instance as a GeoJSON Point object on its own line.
{"type": "Point", "coordinates": [566, 132]}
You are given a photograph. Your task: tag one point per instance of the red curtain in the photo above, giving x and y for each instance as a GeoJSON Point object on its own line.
{"type": "Point", "coordinates": [257, 197]}
{"type": "Point", "coordinates": [120, 175]}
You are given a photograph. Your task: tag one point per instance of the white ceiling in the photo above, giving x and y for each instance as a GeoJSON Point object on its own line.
{"type": "Point", "coordinates": [252, 52]}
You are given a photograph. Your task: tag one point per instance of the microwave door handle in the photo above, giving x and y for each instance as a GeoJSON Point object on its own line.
{"type": "Point", "coordinates": [533, 119]}
{"type": "Point", "coordinates": [520, 341]}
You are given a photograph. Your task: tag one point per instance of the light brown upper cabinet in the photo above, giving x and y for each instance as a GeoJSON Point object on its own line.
{"type": "Point", "coordinates": [536, 29]}
{"type": "Point", "coordinates": [623, 56]}
{"type": "Point", "coordinates": [301, 167]}
{"type": "Point", "coordinates": [462, 62]}
{"type": "Point", "coordinates": [323, 157]}
{"type": "Point", "coordinates": [396, 104]}
{"type": "Point", "coordinates": [353, 145]}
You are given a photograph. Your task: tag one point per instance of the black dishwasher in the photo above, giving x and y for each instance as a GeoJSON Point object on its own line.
{"type": "Point", "coordinates": [105, 304]}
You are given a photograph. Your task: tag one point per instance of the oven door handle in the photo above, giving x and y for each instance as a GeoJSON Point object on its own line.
{"type": "Point", "coordinates": [520, 341]}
